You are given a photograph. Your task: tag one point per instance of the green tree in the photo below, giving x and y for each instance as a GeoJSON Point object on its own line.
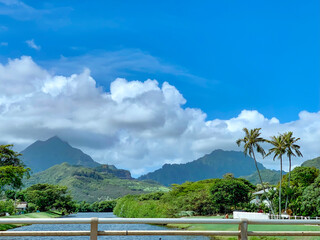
{"type": "Point", "coordinates": [302, 176]}
{"type": "Point", "coordinates": [292, 149]}
{"type": "Point", "coordinates": [9, 157]}
{"type": "Point", "coordinates": [229, 193]}
{"type": "Point", "coordinates": [83, 207]}
{"type": "Point", "coordinates": [48, 196]}
{"type": "Point", "coordinates": [278, 149]}
{"type": "Point", "coordinates": [103, 206]}
{"type": "Point", "coordinates": [252, 142]}
{"type": "Point", "coordinates": [7, 206]}
{"type": "Point", "coordinates": [12, 170]}
{"type": "Point", "coordinates": [190, 196]}
{"type": "Point", "coordinates": [311, 199]}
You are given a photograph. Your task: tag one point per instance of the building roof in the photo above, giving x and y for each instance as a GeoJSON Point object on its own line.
{"type": "Point", "coordinates": [261, 191]}
{"type": "Point", "coordinates": [22, 205]}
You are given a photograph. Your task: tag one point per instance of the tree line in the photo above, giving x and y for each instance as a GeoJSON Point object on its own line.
{"type": "Point", "coordinates": [221, 196]}
{"type": "Point", "coordinates": [206, 197]}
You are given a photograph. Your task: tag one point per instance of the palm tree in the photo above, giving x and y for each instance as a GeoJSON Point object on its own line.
{"type": "Point", "coordinates": [292, 149]}
{"type": "Point", "coordinates": [279, 148]}
{"type": "Point", "coordinates": [251, 142]}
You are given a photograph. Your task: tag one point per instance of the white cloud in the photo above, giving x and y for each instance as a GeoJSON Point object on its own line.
{"type": "Point", "coordinates": [33, 45]}
{"type": "Point", "coordinates": [138, 125]}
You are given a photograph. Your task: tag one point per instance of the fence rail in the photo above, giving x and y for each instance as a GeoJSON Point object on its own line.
{"type": "Point", "coordinates": [242, 233]}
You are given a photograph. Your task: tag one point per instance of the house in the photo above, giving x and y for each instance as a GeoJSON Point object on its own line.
{"type": "Point", "coordinates": [258, 195]}
{"type": "Point", "coordinates": [22, 206]}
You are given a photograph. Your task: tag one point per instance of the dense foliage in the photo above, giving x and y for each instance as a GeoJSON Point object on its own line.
{"type": "Point", "coordinates": [230, 193]}
{"type": "Point", "coordinates": [7, 206]}
{"type": "Point", "coordinates": [45, 197]}
{"type": "Point", "coordinates": [304, 192]}
{"type": "Point", "coordinates": [133, 207]}
{"type": "Point", "coordinates": [195, 198]}
{"type": "Point", "coordinates": [12, 169]}
{"type": "Point", "coordinates": [103, 206]}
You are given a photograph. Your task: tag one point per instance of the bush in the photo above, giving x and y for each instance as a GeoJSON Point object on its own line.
{"type": "Point", "coordinates": [130, 207]}
{"type": "Point", "coordinates": [7, 206]}
{"type": "Point", "coordinates": [32, 207]}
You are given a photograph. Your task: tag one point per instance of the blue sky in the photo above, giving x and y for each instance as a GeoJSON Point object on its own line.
{"type": "Point", "coordinates": [223, 56]}
{"type": "Point", "coordinates": [80, 70]}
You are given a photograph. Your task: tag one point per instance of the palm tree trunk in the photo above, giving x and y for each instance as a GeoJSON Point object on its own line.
{"type": "Point", "coordinates": [280, 187]}
{"type": "Point", "coordinates": [287, 199]}
{"type": "Point", "coordinates": [265, 193]}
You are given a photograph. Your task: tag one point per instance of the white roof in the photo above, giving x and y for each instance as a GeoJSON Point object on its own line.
{"type": "Point", "coordinates": [22, 205]}
{"type": "Point", "coordinates": [261, 191]}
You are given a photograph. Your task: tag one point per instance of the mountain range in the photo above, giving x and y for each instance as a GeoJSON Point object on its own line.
{"type": "Point", "coordinates": [213, 165]}
{"type": "Point", "coordinates": [56, 161]}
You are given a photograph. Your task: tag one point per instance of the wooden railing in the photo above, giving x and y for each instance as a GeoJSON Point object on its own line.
{"type": "Point", "coordinates": [242, 233]}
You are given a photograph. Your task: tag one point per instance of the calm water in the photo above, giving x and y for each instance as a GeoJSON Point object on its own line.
{"type": "Point", "coordinates": [86, 227]}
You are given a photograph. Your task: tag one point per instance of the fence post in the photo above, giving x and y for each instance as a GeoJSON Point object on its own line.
{"type": "Point", "coordinates": [94, 229]}
{"type": "Point", "coordinates": [243, 227]}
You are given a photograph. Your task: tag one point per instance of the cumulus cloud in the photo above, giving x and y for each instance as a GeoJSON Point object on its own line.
{"type": "Point", "coordinates": [138, 125]}
{"type": "Point", "coordinates": [33, 45]}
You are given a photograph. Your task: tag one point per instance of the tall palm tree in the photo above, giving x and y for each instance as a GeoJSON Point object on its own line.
{"type": "Point", "coordinates": [279, 148]}
{"type": "Point", "coordinates": [292, 149]}
{"type": "Point", "coordinates": [252, 142]}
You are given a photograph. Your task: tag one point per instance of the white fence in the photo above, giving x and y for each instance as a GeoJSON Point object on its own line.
{"type": "Point", "coordinates": [242, 233]}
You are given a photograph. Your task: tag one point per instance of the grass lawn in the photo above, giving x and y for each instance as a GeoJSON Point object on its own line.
{"type": "Point", "coordinates": [4, 227]}
{"type": "Point", "coordinates": [232, 227]}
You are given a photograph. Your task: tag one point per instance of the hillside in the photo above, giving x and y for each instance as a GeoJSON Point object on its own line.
{"type": "Point", "coordinates": [213, 165]}
{"type": "Point", "coordinates": [42, 155]}
{"type": "Point", "coordinates": [93, 184]}
{"type": "Point", "coordinates": [267, 175]}
{"type": "Point", "coordinates": [312, 163]}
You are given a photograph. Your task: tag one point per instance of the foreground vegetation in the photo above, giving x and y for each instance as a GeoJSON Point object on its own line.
{"type": "Point", "coordinates": [221, 196]}
{"type": "Point", "coordinates": [47, 197]}
{"type": "Point", "coordinates": [204, 198]}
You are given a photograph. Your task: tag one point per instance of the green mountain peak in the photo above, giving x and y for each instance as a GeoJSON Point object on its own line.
{"type": "Point", "coordinates": [213, 165]}
{"type": "Point", "coordinates": [42, 155]}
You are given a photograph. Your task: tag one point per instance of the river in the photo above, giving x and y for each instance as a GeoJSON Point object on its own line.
{"type": "Point", "coordinates": [102, 227]}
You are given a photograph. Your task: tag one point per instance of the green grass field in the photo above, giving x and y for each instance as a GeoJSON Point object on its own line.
{"type": "Point", "coordinates": [231, 227]}
{"type": "Point", "coordinates": [4, 227]}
